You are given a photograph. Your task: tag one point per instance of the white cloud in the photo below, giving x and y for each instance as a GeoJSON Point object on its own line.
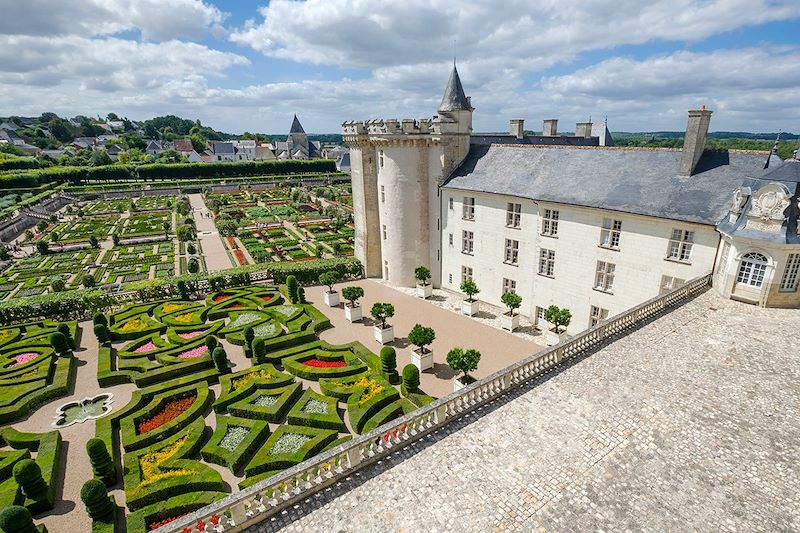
{"type": "Point", "coordinates": [155, 19]}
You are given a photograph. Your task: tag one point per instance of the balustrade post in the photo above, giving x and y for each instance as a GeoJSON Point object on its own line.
{"type": "Point", "coordinates": [238, 512]}
{"type": "Point", "coordinates": [353, 456]}
{"type": "Point", "coordinates": [440, 414]}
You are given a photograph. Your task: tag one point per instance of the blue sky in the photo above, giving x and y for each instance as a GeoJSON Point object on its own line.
{"type": "Point", "coordinates": [247, 66]}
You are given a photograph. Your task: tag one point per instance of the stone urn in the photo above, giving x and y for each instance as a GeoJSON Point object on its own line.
{"type": "Point", "coordinates": [383, 335]}
{"type": "Point", "coordinates": [422, 360]}
{"type": "Point", "coordinates": [509, 321]}
{"type": "Point", "coordinates": [331, 298]}
{"type": "Point", "coordinates": [352, 313]}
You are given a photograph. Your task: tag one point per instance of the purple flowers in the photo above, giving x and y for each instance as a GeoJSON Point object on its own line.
{"type": "Point", "coordinates": [191, 334]}
{"type": "Point", "coordinates": [22, 358]}
{"type": "Point", "coordinates": [194, 352]}
{"type": "Point", "coordinates": [147, 347]}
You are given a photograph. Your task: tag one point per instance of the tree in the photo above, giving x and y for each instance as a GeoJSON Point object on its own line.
{"type": "Point", "coordinates": [184, 233]}
{"type": "Point", "coordinates": [191, 249]}
{"type": "Point", "coordinates": [115, 239]}
{"type": "Point", "coordinates": [464, 361]}
{"type": "Point", "coordinates": [61, 129]}
{"type": "Point", "coordinates": [5, 255]}
{"type": "Point", "coordinates": [41, 226]}
{"type": "Point", "coordinates": [422, 274]}
{"type": "Point", "coordinates": [59, 343]}
{"type": "Point", "coordinates": [329, 278]}
{"type": "Point", "coordinates": [198, 142]}
{"type": "Point", "coordinates": [42, 247]}
{"type": "Point", "coordinates": [193, 265]}
{"type": "Point", "coordinates": [227, 227]}
{"type": "Point", "coordinates": [389, 364]}
{"type": "Point", "coordinates": [249, 334]}
{"type": "Point", "coordinates": [28, 233]}
{"type": "Point", "coordinates": [93, 242]}
{"type": "Point", "coordinates": [100, 318]}
{"type": "Point", "coordinates": [211, 343]}
{"type": "Point", "coordinates": [301, 295]}
{"type": "Point", "coordinates": [100, 459]}
{"type": "Point", "coordinates": [291, 287]}
{"type": "Point", "coordinates": [28, 475]}
{"type": "Point", "coordinates": [220, 360]}
{"type": "Point", "coordinates": [64, 329]}
{"type": "Point", "coordinates": [410, 380]}
{"type": "Point", "coordinates": [99, 506]}
{"type": "Point", "coordinates": [469, 288]}
{"type": "Point", "coordinates": [166, 226]}
{"type": "Point", "coordinates": [381, 311]}
{"type": "Point", "coordinates": [88, 281]}
{"type": "Point", "coordinates": [352, 294]}
{"type": "Point", "coordinates": [102, 334]}
{"type": "Point", "coordinates": [100, 158]}
{"type": "Point", "coordinates": [17, 519]}
{"type": "Point", "coordinates": [421, 336]}
{"type": "Point", "coordinates": [558, 316]}
{"type": "Point", "coordinates": [259, 351]}
{"type": "Point", "coordinates": [58, 285]}
{"type": "Point", "coordinates": [512, 301]}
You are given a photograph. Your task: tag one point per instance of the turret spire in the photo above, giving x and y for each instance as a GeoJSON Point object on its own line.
{"type": "Point", "coordinates": [454, 98]}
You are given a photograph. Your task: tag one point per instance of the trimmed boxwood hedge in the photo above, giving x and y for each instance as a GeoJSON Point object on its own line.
{"type": "Point", "coordinates": [294, 364]}
{"type": "Point", "coordinates": [48, 456]}
{"type": "Point", "coordinates": [247, 408]}
{"type": "Point", "coordinates": [265, 461]}
{"type": "Point", "coordinates": [328, 420]}
{"type": "Point", "coordinates": [139, 521]}
{"type": "Point", "coordinates": [227, 382]}
{"type": "Point", "coordinates": [236, 459]}
{"type": "Point", "coordinates": [359, 412]}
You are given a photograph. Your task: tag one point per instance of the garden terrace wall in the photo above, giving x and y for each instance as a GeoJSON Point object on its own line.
{"type": "Point", "coordinates": [270, 496]}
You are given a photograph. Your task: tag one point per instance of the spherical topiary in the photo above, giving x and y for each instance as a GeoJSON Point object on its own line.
{"type": "Point", "coordinates": [17, 519]}
{"type": "Point", "coordinates": [95, 497]}
{"type": "Point", "coordinates": [100, 318]}
{"type": "Point", "coordinates": [101, 332]}
{"type": "Point", "coordinates": [64, 328]}
{"type": "Point", "coordinates": [389, 364]}
{"type": "Point", "coordinates": [259, 351]}
{"type": "Point", "coordinates": [59, 343]}
{"type": "Point", "coordinates": [220, 360]}
{"type": "Point", "coordinates": [102, 464]}
{"type": "Point", "coordinates": [291, 288]}
{"type": "Point", "coordinates": [410, 379]}
{"type": "Point", "coordinates": [28, 475]}
{"type": "Point", "coordinates": [249, 335]}
{"type": "Point", "coordinates": [211, 343]}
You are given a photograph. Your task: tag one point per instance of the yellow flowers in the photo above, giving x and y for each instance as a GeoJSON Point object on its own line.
{"type": "Point", "coordinates": [247, 379]}
{"type": "Point", "coordinates": [171, 307]}
{"type": "Point", "coordinates": [136, 324]}
{"type": "Point", "coordinates": [185, 318]}
{"type": "Point", "coordinates": [150, 465]}
{"type": "Point", "coordinates": [373, 388]}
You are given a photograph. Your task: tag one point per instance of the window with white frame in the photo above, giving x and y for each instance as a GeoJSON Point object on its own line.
{"type": "Point", "coordinates": [450, 239]}
{"type": "Point", "coordinates": [512, 252]}
{"type": "Point", "coordinates": [384, 232]}
{"type": "Point", "coordinates": [467, 241]}
{"type": "Point", "coordinates": [509, 285]}
{"type": "Point", "coordinates": [547, 262]}
{"type": "Point", "coordinates": [380, 158]}
{"type": "Point", "coordinates": [540, 319]}
{"type": "Point", "coordinates": [790, 273]}
{"type": "Point", "coordinates": [669, 283]}
{"type": "Point", "coordinates": [513, 215]}
{"type": "Point", "coordinates": [468, 209]}
{"type": "Point", "coordinates": [723, 257]}
{"type": "Point", "coordinates": [466, 273]}
{"type": "Point", "coordinates": [752, 268]}
{"type": "Point", "coordinates": [550, 222]}
{"type": "Point", "coordinates": [609, 235]}
{"type": "Point", "coordinates": [597, 315]}
{"type": "Point", "coordinates": [680, 245]}
{"type": "Point", "coordinates": [604, 276]}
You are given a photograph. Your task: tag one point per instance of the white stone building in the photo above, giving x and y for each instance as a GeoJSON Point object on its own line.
{"type": "Point", "coordinates": [570, 221]}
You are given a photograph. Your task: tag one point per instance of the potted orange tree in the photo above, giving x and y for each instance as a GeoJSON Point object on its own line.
{"type": "Point", "coordinates": [510, 320]}
{"type": "Point", "coordinates": [384, 333]}
{"type": "Point", "coordinates": [424, 287]}
{"type": "Point", "coordinates": [352, 311]}
{"type": "Point", "coordinates": [421, 336]}
{"type": "Point", "coordinates": [465, 361]}
{"type": "Point", "coordinates": [469, 306]}
{"type": "Point", "coordinates": [330, 278]}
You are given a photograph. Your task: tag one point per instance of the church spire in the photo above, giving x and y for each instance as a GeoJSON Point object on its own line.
{"type": "Point", "coordinates": [454, 98]}
{"type": "Point", "coordinates": [296, 127]}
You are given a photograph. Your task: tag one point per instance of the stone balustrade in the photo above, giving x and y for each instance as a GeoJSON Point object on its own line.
{"type": "Point", "coordinates": [268, 497]}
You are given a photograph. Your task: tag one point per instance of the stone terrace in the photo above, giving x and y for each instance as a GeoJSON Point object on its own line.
{"type": "Point", "coordinates": [691, 423]}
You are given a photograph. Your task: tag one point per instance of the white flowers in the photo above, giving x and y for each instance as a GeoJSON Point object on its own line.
{"type": "Point", "coordinates": [289, 443]}
{"type": "Point", "coordinates": [233, 438]}
{"type": "Point", "coordinates": [244, 319]}
{"type": "Point", "coordinates": [316, 407]}
{"type": "Point", "coordinates": [266, 401]}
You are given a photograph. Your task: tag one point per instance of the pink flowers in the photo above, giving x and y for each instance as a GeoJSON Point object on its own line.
{"type": "Point", "coordinates": [194, 352]}
{"type": "Point", "coordinates": [146, 347]}
{"type": "Point", "coordinates": [22, 358]}
{"type": "Point", "coordinates": [190, 334]}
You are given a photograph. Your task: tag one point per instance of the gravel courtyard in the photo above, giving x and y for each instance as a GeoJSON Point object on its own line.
{"type": "Point", "coordinates": [691, 423]}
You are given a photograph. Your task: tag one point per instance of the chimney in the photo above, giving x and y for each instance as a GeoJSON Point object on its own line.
{"type": "Point", "coordinates": [695, 139]}
{"type": "Point", "coordinates": [550, 127]}
{"type": "Point", "coordinates": [517, 128]}
{"type": "Point", "coordinates": [583, 129]}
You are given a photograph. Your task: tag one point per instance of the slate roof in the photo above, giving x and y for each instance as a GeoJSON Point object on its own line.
{"type": "Point", "coordinates": [454, 98]}
{"type": "Point", "coordinates": [632, 180]}
{"type": "Point", "coordinates": [223, 148]}
{"type": "Point", "coordinates": [296, 127]}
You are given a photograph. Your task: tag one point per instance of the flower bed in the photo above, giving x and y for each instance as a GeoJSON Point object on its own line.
{"type": "Point", "coordinates": [316, 363]}
{"type": "Point", "coordinates": [149, 346]}
{"type": "Point", "coordinates": [244, 381]}
{"type": "Point", "coordinates": [266, 400]}
{"type": "Point", "coordinates": [221, 297]}
{"type": "Point", "coordinates": [289, 443]}
{"type": "Point", "coordinates": [244, 319]}
{"type": "Point", "coordinates": [194, 352]}
{"type": "Point", "coordinates": [191, 334]}
{"type": "Point", "coordinates": [233, 438]}
{"type": "Point", "coordinates": [316, 407]}
{"type": "Point", "coordinates": [239, 254]}
{"type": "Point", "coordinates": [170, 411]}
{"type": "Point", "coordinates": [22, 358]}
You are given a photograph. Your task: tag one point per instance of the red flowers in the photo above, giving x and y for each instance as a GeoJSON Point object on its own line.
{"type": "Point", "coordinates": [170, 411]}
{"type": "Point", "coordinates": [240, 256]}
{"type": "Point", "coordinates": [266, 298]}
{"type": "Point", "coordinates": [236, 305]}
{"type": "Point", "coordinates": [155, 525]}
{"type": "Point", "coordinates": [316, 363]}
{"type": "Point", "coordinates": [221, 297]}
{"type": "Point", "coordinates": [231, 242]}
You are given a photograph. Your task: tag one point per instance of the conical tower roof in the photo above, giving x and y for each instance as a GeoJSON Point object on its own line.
{"type": "Point", "coordinates": [454, 98]}
{"type": "Point", "coordinates": [296, 127]}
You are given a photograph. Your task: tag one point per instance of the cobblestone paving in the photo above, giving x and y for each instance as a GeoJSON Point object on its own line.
{"type": "Point", "coordinates": [691, 423]}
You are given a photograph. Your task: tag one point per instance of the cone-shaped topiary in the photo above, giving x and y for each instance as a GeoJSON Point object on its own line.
{"type": "Point", "coordinates": [301, 295]}
{"type": "Point", "coordinates": [59, 343]}
{"type": "Point", "coordinates": [100, 318]}
{"type": "Point", "coordinates": [28, 475]}
{"type": "Point", "coordinates": [410, 379]}
{"type": "Point", "coordinates": [259, 351]}
{"type": "Point", "coordinates": [249, 335]}
{"type": "Point", "coordinates": [220, 360]}
{"type": "Point", "coordinates": [102, 465]}
{"type": "Point", "coordinates": [211, 343]}
{"type": "Point", "coordinates": [291, 287]}
{"type": "Point", "coordinates": [64, 328]}
{"type": "Point", "coordinates": [102, 334]}
{"type": "Point", "coordinates": [98, 505]}
{"type": "Point", "coordinates": [183, 290]}
{"type": "Point", "coordinates": [17, 519]}
{"type": "Point", "coordinates": [389, 365]}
